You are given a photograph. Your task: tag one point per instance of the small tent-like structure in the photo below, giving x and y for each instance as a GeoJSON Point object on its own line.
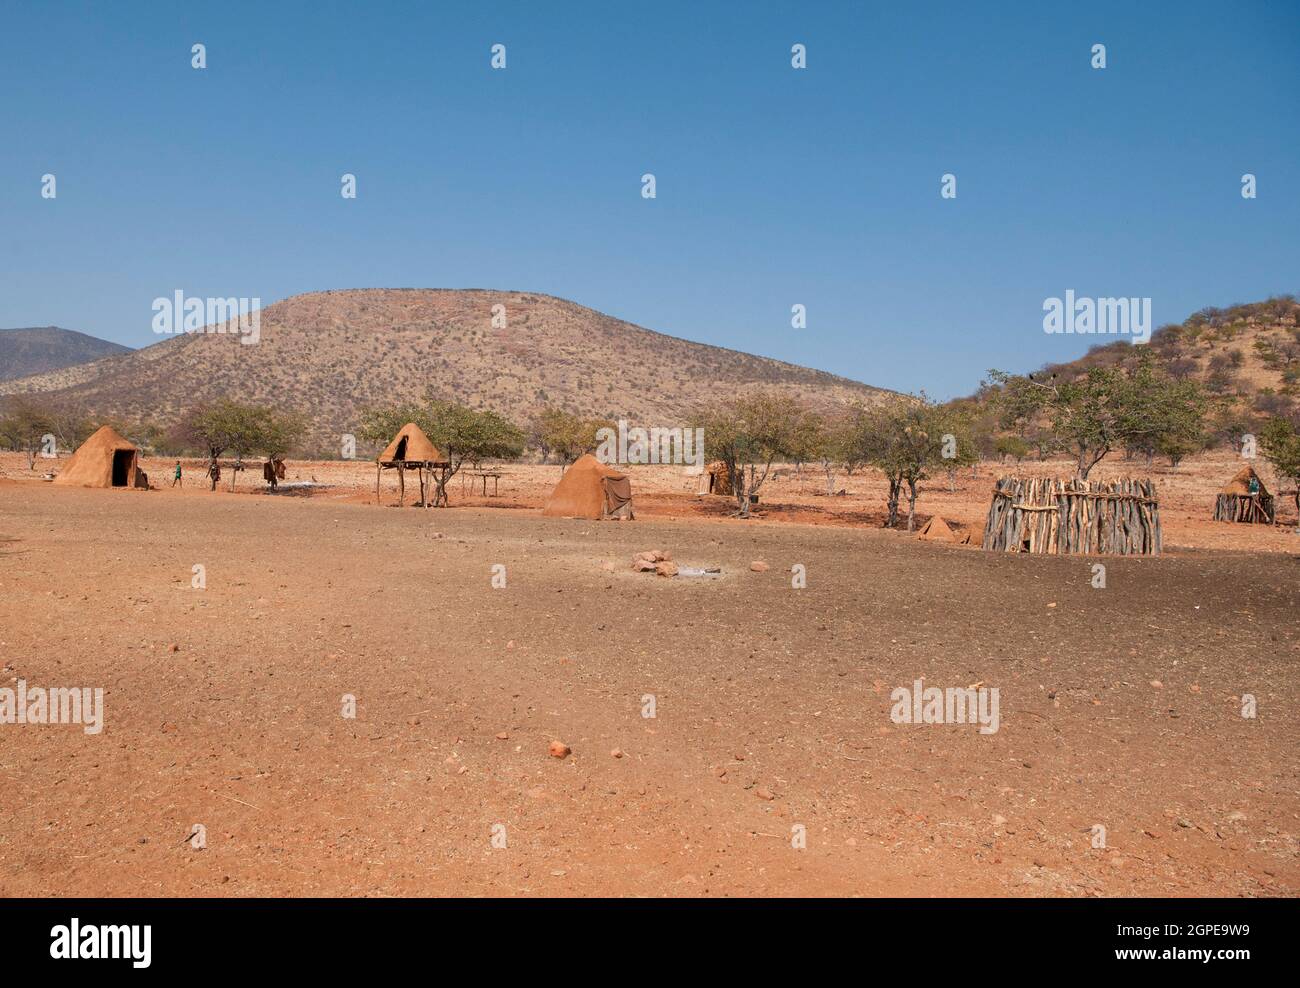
{"type": "Point", "coordinates": [1235, 501]}
{"type": "Point", "coordinates": [591, 489]}
{"type": "Point", "coordinates": [106, 459]}
{"type": "Point", "coordinates": [411, 450]}
{"type": "Point", "coordinates": [716, 480]}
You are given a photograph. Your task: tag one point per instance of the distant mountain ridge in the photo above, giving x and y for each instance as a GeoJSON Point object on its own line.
{"type": "Point", "coordinates": [39, 349]}
{"type": "Point", "coordinates": [331, 354]}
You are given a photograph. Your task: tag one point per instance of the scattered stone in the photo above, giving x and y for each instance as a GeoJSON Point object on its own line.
{"type": "Point", "coordinates": [616, 753]}
{"type": "Point", "coordinates": [766, 794]}
{"type": "Point", "coordinates": [643, 565]}
{"type": "Point", "coordinates": [175, 647]}
{"type": "Point", "coordinates": [666, 569]}
{"type": "Point", "coordinates": [758, 566]}
{"type": "Point", "coordinates": [560, 750]}
{"type": "Point", "coordinates": [503, 736]}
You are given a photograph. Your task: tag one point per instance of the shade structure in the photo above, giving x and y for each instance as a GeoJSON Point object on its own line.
{"type": "Point", "coordinates": [412, 450]}
{"type": "Point", "coordinates": [411, 445]}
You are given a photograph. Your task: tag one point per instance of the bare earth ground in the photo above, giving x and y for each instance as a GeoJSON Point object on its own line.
{"type": "Point", "coordinates": [1119, 707]}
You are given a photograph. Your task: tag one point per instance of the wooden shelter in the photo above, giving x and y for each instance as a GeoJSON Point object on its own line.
{"type": "Point", "coordinates": [411, 450]}
{"type": "Point", "coordinates": [1060, 517]}
{"type": "Point", "coordinates": [1239, 502]}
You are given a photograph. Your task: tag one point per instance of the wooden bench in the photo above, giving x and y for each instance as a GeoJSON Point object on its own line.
{"type": "Point", "coordinates": [485, 474]}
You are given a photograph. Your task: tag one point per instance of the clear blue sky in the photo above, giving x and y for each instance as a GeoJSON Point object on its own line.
{"type": "Point", "coordinates": [775, 186]}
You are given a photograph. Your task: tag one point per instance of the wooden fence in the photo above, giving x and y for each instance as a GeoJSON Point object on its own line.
{"type": "Point", "coordinates": [1043, 515]}
{"type": "Point", "coordinates": [1256, 508]}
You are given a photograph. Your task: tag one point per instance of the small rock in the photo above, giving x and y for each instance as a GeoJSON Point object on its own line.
{"type": "Point", "coordinates": [666, 569]}
{"type": "Point", "coordinates": [616, 753]}
{"type": "Point", "coordinates": [758, 566]}
{"type": "Point", "coordinates": [560, 750]}
{"type": "Point", "coordinates": [766, 794]}
{"type": "Point", "coordinates": [503, 736]}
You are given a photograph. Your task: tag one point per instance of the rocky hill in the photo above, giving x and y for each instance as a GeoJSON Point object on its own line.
{"type": "Point", "coordinates": [48, 348]}
{"type": "Point", "coordinates": [331, 354]}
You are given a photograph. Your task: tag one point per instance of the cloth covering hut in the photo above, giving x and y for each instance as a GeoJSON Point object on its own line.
{"type": "Point", "coordinates": [106, 459]}
{"type": "Point", "coordinates": [591, 489]}
{"type": "Point", "coordinates": [1237, 502]}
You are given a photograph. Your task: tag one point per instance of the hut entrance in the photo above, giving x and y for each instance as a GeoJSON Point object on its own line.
{"type": "Point", "coordinates": [123, 459]}
{"type": "Point", "coordinates": [400, 452]}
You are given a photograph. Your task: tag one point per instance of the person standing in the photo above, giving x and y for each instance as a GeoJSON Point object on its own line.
{"type": "Point", "coordinates": [176, 475]}
{"type": "Point", "coordinates": [214, 472]}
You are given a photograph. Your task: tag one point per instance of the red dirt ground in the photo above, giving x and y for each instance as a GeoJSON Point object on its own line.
{"type": "Point", "coordinates": [1119, 707]}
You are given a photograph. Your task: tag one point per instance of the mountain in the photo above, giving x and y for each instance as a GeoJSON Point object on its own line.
{"type": "Point", "coordinates": [49, 348]}
{"type": "Point", "coordinates": [331, 354]}
{"type": "Point", "coordinates": [1246, 356]}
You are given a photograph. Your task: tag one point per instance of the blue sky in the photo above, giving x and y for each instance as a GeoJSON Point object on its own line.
{"type": "Point", "coordinates": [775, 186]}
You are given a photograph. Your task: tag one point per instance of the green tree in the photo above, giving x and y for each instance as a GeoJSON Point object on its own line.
{"type": "Point", "coordinates": [913, 438]}
{"type": "Point", "coordinates": [1280, 443]}
{"type": "Point", "coordinates": [243, 429]}
{"type": "Point", "coordinates": [569, 436]}
{"type": "Point", "coordinates": [749, 433]}
{"type": "Point", "coordinates": [38, 425]}
{"type": "Point", "coordinates": [1102, 409]}
{"type": "Point", "coordinates": [1011, 446]}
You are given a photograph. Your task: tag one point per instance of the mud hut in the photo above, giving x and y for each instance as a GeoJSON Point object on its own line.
{"type": "Point", "coordinates": [106, 459]}
{"type": "Point", "coordinates": [591, 489]}
{"type": "Point", "coordinates": [411, 450]}
{"type": "Point", "coordinates": [715, 480]}
{"type": "Point", "coordinates": [1245, 498]}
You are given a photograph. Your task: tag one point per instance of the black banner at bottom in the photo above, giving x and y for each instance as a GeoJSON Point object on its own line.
{"type": "Point", "coordinates": [145, 937]}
